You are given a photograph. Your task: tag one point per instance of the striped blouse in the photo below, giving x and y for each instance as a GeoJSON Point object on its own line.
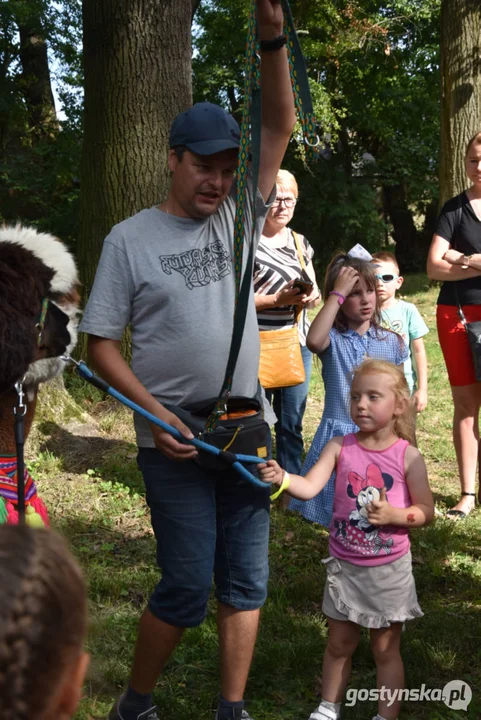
{"type": "Point", "coordinates": [273, 269]}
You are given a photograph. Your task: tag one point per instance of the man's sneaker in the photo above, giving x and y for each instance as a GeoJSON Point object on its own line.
{"type": "Point", "coordinates": [244, 715]}
{"type": "Point", "coordinates": [115, 713]}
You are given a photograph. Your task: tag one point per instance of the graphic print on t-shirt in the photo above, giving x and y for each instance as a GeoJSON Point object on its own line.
{"type": "Point", "coordinates": [359, 535]}
{"type": "Point", "coordinates": [199, 266]}
{"type": "Point", "coordinates": [396, 326]}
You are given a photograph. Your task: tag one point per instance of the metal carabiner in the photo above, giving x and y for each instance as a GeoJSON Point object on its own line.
{"type": "Point", "coordinates": [20, 409]}
{"type": "Point", "coordinates": [314, 144]}
{"type": "Point", "coordinates": [68, 359]}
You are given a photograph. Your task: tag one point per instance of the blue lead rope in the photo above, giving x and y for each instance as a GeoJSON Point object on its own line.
{"type": "Point", "coordinates": [236, 461]}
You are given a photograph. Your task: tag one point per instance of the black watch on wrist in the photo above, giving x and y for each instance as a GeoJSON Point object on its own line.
{"type": "Point", "coordinates": [272, 45]}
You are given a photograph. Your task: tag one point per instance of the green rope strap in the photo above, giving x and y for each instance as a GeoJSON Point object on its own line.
{"type": "Point", "coordinates": [251, 86]}
{"type": "Point", "coordinates": [250, 144]}
{"type": "Point", "coordinates": [300, 87]}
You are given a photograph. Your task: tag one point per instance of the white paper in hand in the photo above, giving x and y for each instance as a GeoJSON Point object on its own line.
{"type": "Point", "coordinates": [360, 253]}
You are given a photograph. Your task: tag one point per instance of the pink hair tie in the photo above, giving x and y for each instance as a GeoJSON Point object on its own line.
{"type": "Point", "coordinates": [340, 297]}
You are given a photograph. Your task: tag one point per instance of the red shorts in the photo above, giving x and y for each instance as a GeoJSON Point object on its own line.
{"type": "Point", "coordinates": [454, 342]}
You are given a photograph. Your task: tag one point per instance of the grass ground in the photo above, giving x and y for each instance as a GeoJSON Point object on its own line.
{"type": "Point", "coordinates": [82, 453]}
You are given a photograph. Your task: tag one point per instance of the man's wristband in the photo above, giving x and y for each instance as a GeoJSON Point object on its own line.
{"type": "Point", "coordinates": [272, 45]}
{"type": "Point", "coordinates": [286, 481]}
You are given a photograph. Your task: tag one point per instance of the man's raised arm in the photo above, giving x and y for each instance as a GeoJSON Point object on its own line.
{"type": "Point", "coordinates": [278, 114]}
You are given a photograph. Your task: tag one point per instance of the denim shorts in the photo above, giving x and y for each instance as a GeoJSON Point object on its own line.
{"type": "Point", "coordinates": [206, 524]}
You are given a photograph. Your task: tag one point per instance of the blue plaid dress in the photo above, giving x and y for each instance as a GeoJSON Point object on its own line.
{"type": "Point", "coordinates": [346, 351]}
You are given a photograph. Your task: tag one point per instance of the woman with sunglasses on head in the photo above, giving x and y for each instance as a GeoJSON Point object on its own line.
{"type": "Point", "coordinates": [455, 258]}
{"type": "Point", "coordinates": [278, 268]}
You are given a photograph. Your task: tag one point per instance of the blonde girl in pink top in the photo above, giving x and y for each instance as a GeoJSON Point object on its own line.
{"type": "Point", "coordinates": [381, 490]}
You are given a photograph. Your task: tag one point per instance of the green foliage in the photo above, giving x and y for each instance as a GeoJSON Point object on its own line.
{"type": "Point", "coordinates": [373, 68]}
{"type": "Point", "coordinates": [374, 75]}
{"type": "Point", "coordinates": [335, 211]}
{"type": "Point", "coordinates": [38, 184]}
{"type": "Point", "coordinates": [218, 60]}
{"type": "Point", "coordinates": [39, 166]}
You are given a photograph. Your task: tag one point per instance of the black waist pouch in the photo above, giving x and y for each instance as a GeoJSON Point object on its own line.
{"type": "Point", "coordinates": [242, 430]}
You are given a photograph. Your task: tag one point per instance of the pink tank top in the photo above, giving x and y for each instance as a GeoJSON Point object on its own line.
{"type": "Point", "coordinates": [360, 475]}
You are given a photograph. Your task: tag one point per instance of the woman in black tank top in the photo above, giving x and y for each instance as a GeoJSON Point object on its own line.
{"type": "Point", "coordinates": [455, 258]}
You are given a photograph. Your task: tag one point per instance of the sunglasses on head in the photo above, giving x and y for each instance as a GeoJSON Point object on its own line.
{"type": "Point", "coordinates": [386, 278]}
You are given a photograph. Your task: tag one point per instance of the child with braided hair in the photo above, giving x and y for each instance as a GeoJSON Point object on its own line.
{"type": "Point", "coordinates": [43, 625]}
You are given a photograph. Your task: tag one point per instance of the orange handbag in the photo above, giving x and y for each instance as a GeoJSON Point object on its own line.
{"type": "Point", "coordinates": [281, 362]}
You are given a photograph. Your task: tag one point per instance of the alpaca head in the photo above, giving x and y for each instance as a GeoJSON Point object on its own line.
{"type": "Point", "coordinates": [38, 306]}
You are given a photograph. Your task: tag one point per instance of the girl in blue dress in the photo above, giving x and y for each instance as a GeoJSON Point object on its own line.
{"type": "Point", "coordinates": [345, 332]}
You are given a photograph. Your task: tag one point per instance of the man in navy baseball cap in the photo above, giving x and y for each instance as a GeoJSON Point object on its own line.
{"type": "Point", "coordinates": [205, 129]}
{"type": "Point", "coordinates": [168, 271]}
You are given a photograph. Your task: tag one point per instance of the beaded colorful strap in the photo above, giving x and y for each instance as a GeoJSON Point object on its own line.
{"type": "Point", "coordinates": [300, 87]}
{"type": "Point", "coordinates": [250, 137]}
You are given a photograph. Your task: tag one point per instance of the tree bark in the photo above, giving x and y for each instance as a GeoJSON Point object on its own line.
{"type": "Point", "coordinates": [460, 89]}
{"type": "Point", "coordinates": [195, 5]}
{"type": "Point", "coordinates": [409, 251]}
{"type": "Point", "coordinates": [36, 82]}
{"type": "Point", "coordinates": [137, 63]}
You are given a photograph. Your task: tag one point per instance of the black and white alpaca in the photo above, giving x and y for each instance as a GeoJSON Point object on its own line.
{"type": "Point", "coordinates": [38, 320]}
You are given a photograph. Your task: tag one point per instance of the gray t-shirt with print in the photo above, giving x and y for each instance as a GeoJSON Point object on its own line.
{"type": "Point", "coordinates": [172, 279]}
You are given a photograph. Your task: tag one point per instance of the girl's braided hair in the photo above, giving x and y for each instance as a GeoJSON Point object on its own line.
{"type": "Point", "coordinates": [43, 618]}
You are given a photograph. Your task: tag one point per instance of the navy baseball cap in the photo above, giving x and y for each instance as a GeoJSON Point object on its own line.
{"type": "Point", "coordinates": [205, 129]}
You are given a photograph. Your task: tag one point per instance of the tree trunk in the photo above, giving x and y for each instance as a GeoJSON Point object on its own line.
{"type": "Point", "coordinates": [429, 227]}
{"type": "Point", "coordinates": [137, 63]}
{"type": "Point", "coordinates": [408, 246]}
{"type": "Point", "coordinates": [195, 6]}
{"type": "Point", "coordinates": [460, 89]}
{"type": "Point", "coordinates": [36, 83]}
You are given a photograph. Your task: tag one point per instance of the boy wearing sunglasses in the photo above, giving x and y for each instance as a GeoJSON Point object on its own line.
{"type": "Point", "coordinates": [405, 319]}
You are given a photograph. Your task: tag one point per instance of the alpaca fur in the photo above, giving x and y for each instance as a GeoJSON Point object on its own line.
{"type": "Point", "coordinates": [63, 291]}
{"type": "Point", "coordinates": [25, 280]}
{"type": "Point", "coordinates": [50, 251]}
